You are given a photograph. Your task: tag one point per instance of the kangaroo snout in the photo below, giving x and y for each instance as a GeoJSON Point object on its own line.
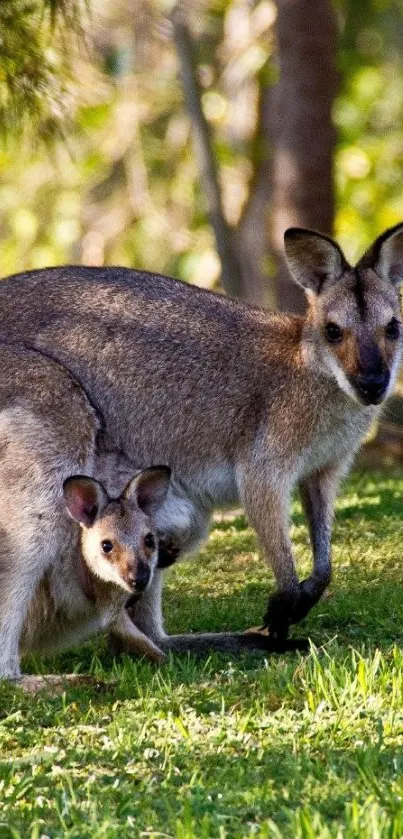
{"type": "Point", "coordinates": [372, 387]}
{"type": "Point", "coordinates": [140, 580]}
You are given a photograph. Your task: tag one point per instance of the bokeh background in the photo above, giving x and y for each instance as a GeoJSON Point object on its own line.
{"type": "Point", "coordinates": [184, 138]}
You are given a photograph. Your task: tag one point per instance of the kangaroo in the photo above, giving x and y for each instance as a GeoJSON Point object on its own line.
{"type": "Point", "coordinates": [110, 557]}
{"type": "Point", "coordinates": [241, 403]}
{"type": "Point", "coordinates": [62, 581]}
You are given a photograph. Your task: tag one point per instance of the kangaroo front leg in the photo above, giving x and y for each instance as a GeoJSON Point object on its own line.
{"type": "Point", "coordinates": [146, 614]}
{"type": "Point", "coordinates": [267, 509]}
{"type": "Point", "coordinates": [132, 640]}
{"type": "Point", "coordinates": [318, 493]}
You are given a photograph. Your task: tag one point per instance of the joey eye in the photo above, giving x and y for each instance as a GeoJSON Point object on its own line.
{"type": "Point", "coordinates": [333, 333]}
{"type": "Point", "coordinates": [392, 330]}
{"type": "Point", "coordinates": [149, 541]}
{"type": "Point", "coordinates": [106, 546]}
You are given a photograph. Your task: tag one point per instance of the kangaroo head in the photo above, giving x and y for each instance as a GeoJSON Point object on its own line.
{"type": "Point", "coordinates": [353, 325]}
{"type": "Point", "coordinates": [118, 538]}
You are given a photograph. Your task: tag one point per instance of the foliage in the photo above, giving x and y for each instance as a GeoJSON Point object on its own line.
{"type": "Point", "coordinates": [300, 748]}
{"type": "Point", "coordinates": [123, 187]}
{"type": "Point", "coordinates": [131, 174]}
{"type": "Point", "coordinates": [369, 119]}
{"type": "Point", "coordinates": [33, 83]}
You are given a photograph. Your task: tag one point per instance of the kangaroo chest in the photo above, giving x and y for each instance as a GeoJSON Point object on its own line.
{"type": "Point", "coordinates": [62, 614]}
{"type": "Point", "coordinates": [335, 438]}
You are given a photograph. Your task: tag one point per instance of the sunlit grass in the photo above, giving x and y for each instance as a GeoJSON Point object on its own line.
{"type": "Point", "coordinates": [300, 747]}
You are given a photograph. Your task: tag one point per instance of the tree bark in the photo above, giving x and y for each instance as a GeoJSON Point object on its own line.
{"type": "Point", "coordinates": [294, 183]}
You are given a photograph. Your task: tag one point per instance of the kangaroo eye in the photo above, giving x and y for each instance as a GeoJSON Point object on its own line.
{"type": "Point", "coordinates": [392, 330]}
{"type": "Point", "coordinates": [333, 333]}
{"type": "Point", "coordinates": [106, 546]}
{"type": "Point", "coordinates": [149, 541]}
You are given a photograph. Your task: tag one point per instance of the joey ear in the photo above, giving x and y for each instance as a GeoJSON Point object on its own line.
{"type": "Point", "coordinates": [149, 488]}
{"type": "Point", "coordinates": [315, 261]}
{"type": "Point", "coordinates": [385, 256]}
{"type": "Point", "coordinates": [85, 499]}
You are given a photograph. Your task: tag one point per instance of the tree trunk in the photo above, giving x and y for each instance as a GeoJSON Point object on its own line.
{"type": "Point", "coordinates": [294, 183]}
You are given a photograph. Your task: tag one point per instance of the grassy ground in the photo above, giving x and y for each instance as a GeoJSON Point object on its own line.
{"type": "Point", "coordinates": [292, 746]}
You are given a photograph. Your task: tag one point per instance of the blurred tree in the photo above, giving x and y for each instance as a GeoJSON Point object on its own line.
{"type": "Point", "coordinates": [32, 75]}
{"type": "Point", "coordinates": [125, 186]}
{"type": "Point", "coordinates": [369, 119]}
{"type": "Point", "coordinates": [231, 271]}
{"type": "Point", "coordinates": [293, 176]}
{"type": "Point", "coordinates": [293, 181]}
{"type": "Point", "coordinates": [282, 181]}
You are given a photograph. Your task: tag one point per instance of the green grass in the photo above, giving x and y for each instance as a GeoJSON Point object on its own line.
{"type": "Point", "coordinates": [301, 747]}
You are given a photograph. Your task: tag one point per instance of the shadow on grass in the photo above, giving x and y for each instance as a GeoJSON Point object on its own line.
{"type": "Point", "coordinates": [363, 616]}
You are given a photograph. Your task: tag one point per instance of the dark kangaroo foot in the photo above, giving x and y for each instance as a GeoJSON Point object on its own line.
{"type": "Point", "coordinates": [287, 608]}
{"type": "Point", "coordinates": [309, 592]}
{"type": "Point", "coordinates": [278, 618]}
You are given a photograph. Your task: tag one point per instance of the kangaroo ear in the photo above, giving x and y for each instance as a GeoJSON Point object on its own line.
{"type": "Point", "coordinates": [385, 256]}
{"type": "Point", "coordinates": [85, 499]}
{"type": "Point", "coordinates": [315, 261]}
{"type": "Point", "coordinates": [149, 489]}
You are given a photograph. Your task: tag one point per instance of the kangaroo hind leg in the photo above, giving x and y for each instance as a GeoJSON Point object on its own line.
{"type": "Point", "coordinates": [33, 528]}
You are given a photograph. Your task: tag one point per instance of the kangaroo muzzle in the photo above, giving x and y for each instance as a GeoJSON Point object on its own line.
{"type": "Point", "coordinates": [371, 387]}
{"type": "Point", "coordinates": [143, 575]}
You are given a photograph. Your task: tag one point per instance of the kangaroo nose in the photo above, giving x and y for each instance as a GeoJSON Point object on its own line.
{"type": "Point", "coordinates": [372, 387]}
{"type": "Point", "coordinates": [142, 576]}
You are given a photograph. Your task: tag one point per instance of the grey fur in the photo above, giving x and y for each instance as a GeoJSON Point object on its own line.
{"type": "Point", "coordinates": [85, 591]}
{"type": "Point", "coordinates": [240, 403]}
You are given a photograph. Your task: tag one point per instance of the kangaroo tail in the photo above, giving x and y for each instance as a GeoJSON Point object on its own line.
{"type": "Point", "coordinates": [230, 642]}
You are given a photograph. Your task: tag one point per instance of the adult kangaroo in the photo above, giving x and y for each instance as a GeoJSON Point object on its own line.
{"type": "Point", "coordinates": [240, 403]}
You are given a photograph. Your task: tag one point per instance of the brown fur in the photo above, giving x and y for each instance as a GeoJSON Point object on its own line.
{"type": "Point", "coordinates": [242, 404]}
{"type": "Point", "coordinates": [85, 591]}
